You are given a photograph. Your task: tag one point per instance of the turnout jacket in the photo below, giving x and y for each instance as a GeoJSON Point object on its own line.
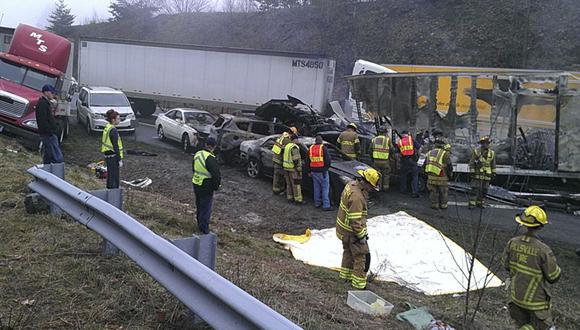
{"type": "Point", "coordinates": [352, 213]}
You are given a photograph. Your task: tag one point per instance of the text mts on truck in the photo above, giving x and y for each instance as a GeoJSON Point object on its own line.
{"type": "Point", "coordinates": [35, 58]}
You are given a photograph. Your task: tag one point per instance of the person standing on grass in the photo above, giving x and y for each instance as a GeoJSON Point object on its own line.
{"type": "Point", "coordinates": [318, 162]}
{"type": "Point", "coordinates": [47, 127]}
{"type": "Point", "coordinates": [206, 179]}
{"type": "Point", "coordinates": [112, 148]}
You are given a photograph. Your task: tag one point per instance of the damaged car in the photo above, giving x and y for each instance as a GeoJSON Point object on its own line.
{"type": "Point", "coordinates": [257, 155]}
{"type": "Point", "coordinates": [184, 125]}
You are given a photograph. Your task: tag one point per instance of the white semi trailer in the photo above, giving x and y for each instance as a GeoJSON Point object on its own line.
{"type": "Point", "coordinates": [151, 73]}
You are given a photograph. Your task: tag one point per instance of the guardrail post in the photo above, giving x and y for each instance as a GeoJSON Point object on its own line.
{"type": "Point", "coordinates": [202, 248]}
{"type": "Point", "coordinates": [115, 198]}
{"type": "Point", "coordinates": [57, 170]}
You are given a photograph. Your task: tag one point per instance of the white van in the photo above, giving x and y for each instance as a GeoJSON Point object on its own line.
{"type": "Point", "coordinates": [93, 104]}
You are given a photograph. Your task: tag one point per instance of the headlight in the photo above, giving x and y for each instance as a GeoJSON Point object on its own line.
{"type": "Point", "coordinates": [130, 116]}
{"type": "Point", "coordinates": [97, 116]}
{"type": "Point", "coordinates": [31, 123]}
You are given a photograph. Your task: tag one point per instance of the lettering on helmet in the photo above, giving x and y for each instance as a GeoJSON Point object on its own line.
{"type": "Point", "coordinates": [39, 41]}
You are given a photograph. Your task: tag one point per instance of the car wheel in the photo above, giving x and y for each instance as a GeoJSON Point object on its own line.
{"type": "Point", "coordinates": [160, 133]}
{"type": "Point", "coordinates": [78, 116]}
{"type": "Point", "coordinates": [185, 144]}
{"type": "Point", "coordinates": [253, 168]}
{"type": "Point", "coordinates": [88, 127]}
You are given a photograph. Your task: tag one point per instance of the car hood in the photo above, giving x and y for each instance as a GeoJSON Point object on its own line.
{"type": "Point", "coordinates": [120, 110]}
{"type": "Point", "coordinates": [348, 167]}
{"type": "Point", "coordinates": [17, 89]}
{"type": "Point", "coordinates": [205, 129]}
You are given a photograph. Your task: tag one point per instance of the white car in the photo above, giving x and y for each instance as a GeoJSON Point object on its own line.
{"type": "Point", "coordinates": [94, 102]}
{"type": "Point", "coordinates": [184, 125]}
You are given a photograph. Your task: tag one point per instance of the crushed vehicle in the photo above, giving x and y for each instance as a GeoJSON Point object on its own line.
{"type": "Point", "coordinates": [184, 125]}
{"type": "Point", "coordinates": [530, 115]}
{"type": "Point", "coordinates": [230, 131]}
{"type": "Point", "coordinates": [257, 155]}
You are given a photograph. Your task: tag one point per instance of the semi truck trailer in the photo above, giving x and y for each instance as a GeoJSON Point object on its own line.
{"type": "Point", "coordinates": [35, 58]}
{"type": "Point", "coordinates": [152, 73]}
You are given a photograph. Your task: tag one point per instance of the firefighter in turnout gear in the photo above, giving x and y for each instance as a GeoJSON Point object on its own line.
{"type": "Point", "coordinates": [277, 150]}
{"type": "Point", "coordinates": [351, 227]}
{"type": "Point", "coordinates": [439, 170]}
{"type": "Point", "coordinates": [531, 265]}
{"type": "Point", "coordinates": [482, 170]}
{"type": "Point", "coordinates": [292, 163]}
{"type": "Point", "coordinates": [381, 148]}
{"type": "Point", "coordinates": [349, 142]}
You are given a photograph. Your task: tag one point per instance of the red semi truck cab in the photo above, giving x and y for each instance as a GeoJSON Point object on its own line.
{"type": "Point", "coordinates": [35, 58]}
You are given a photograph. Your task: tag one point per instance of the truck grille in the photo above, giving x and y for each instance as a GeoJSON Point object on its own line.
{"type": "Point", "coordinates": [11, 107]}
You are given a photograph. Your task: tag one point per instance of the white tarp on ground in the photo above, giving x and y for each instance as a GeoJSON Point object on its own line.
{"type": "Point", "coordinates": [404, 250]}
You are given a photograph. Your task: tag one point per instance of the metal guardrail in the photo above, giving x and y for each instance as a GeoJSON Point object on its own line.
{"type": "Point", "coordinates": [216, 300]}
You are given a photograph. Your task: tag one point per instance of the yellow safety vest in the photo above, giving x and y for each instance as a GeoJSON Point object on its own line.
{"type": "Point", "coordinates": [485, 170]}
{"type": "Point", "coordinates": [107, 145]}
{"type": "Point", "coordinates": [277, 147]}
{"type": "Point", "coordinates": [435, 161]}
{"type": "Point", "coordinates": [288, 162]}
{"type": "Point", "coordinates": [381, 147]}
{"type": "Point", "coordinates": [200, 171]}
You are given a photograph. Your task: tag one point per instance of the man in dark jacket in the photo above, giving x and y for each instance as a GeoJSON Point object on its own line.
{"type": "Point", "coordinates": [206, 179]}
{"type": "Point", "coordinates": [47, 127]}
{"type": "Point", "coordinates": [318, 162]}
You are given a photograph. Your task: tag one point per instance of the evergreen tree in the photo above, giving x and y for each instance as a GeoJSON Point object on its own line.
{"type": "Point", "coordinates": [132, 9]}
{"type": "Point", "coordinates": [61, 20]}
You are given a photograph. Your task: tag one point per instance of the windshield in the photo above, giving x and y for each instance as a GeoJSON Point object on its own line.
{"type": "Point", "coordinates": [198, 118]}
{"type": "Point", "coordinates": [22, 75]}
{"type": "Point", "coordinates": [109, 100]}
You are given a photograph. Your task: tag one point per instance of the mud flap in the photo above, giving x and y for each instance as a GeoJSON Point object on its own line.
{"type": "Point", "coordinates": [367, 262]}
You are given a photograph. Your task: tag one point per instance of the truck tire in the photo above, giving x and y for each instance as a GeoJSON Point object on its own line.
{"type": "Point", "coordinates": [144, 107]}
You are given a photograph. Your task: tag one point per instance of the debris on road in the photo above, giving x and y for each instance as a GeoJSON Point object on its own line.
{"type": "Point", "coordinates": [139, 183]}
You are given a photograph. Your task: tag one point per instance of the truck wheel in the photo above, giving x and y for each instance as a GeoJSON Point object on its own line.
{"type": "Point", "coordinates": [185, 144]}
{"type": "Point", "coordinates": [144, 107]}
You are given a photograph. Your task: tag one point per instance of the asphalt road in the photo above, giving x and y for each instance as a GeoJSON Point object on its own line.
{"type": "Point", "coordinates": [563, 227]}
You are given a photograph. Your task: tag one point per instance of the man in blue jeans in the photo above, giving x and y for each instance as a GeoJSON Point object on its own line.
{"type": "Point", "coordinates": [318, 162]}
{"type": "Point", "coordinates": [47, 127]}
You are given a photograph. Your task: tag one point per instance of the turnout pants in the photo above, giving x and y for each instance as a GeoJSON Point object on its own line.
{"type": "Point", "coordinates": [531, 320]}
{"type": "Point", "coordinates": [113, 176]}
{"type": "Point", "coordinates": [478, 191]}
{"type": "Point", "coordinates": [356, 260]}
{"type": "Point", "coordinates": [203, 204]}
{"type": "Point", "coordinates": [438, 187]}
{"type": "Point", "coordinates": [293, 186]}
{"type": "Point", "coordinates": [385, 169]}
{"type": "Point", "coordinates": [278, 182]}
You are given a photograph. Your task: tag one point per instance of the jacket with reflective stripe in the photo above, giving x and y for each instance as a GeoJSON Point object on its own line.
{"type": "Point", "coordinates": [435, 164]}
{"type": "Point", "coordinates": [200, 171]}
{"type": "Point", "coordinates": [352, 213]}
{"type": "Point", "coordinates": [292, 160]}
{"type": "Point", "coordinates": [278, 147]}
{"type": "Point", "coordinates": [349, 143]}
{"type": "Point", "coordinates": [107, 145]}
{"type": "Point", "coordinates": [406, 146]}
{"type": "Point", "coordinates": [482, 164]}
{"type": "Point", "coordinates": [531, 264]}
{"type": "Point", "coordinates": [316, 155]}
{"type": "Point", "coordinates": [381, 145]}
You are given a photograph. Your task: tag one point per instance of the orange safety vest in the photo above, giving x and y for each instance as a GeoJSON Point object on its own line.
{"type": "Point", "coordinates": [406, 146]}
{"type": "Point", "coordinates": [316, 156]}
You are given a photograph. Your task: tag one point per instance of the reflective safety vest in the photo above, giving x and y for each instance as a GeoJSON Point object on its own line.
{"type": "Point", "coordinates": [381, 147]}
{"type": "Point", "coordinates": [405, 145]}
{"type": "Point", "coordinates": [288, 162]}
{"type": "Point", "coordinates": [279, 144]}
{"type": "Point", "coordinates": [107, 145]}
{"type": "Point", "coordinates": [316, 155]}
{"type": "Point", "coordinates": [200, 171]}
{"type": "Point", "coordinates": [483, 171]}
{"type": "Point", "coordinates": [435, 162]}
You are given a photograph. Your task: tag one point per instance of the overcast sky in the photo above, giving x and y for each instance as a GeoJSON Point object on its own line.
{"type": "Point", "coordinates": [36, 12]}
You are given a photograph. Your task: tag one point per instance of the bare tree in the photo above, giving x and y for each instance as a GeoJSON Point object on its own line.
{"type": "Point", "coordinates": [239, 6]}
{"type": "Point", "coordinates": [185, 6]}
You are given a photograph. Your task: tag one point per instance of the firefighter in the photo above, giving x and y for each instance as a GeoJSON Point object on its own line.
{"type": "Point", "coordinates": [439, 170]}
{"type": "Point", "coordinates": [351, 227]}
{"type": "Point", "coordinates": [482, 170]}
{"type": "Point", "coordinates": [409, 147]}
{"type": "Point", "coordinates": [349, 142]}
{"type": "Point", "coordinates": [318, 163]}
{"type": "Point", "coordinates": [531, 265]}
{"type": "Point", "coordinates": [292, 163]}
{"type": "Point", "coordinates": [277, 148]}
{"type": "Point", "coordinates": [380, 149]}
{"type": "Point", "coordinates": [112, 149]}
{"type": "Point", "coordinates": [206, 179]}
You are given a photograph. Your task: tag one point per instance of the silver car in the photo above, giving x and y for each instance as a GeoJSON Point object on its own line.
{"type": "Point", "coordinates": [94, 102]}
{"type": "Point", "coordinates": [184, 125]}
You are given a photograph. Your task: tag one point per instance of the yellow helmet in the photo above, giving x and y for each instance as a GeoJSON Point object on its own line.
{"type": "Point", "coordinates": [371, 176]}
{"type": "Point", "coordinates": [533, 216]}
{"type": "Point", "coordinates": [485, 139]}
{"type": "Point", "coordinates": [353, 125]}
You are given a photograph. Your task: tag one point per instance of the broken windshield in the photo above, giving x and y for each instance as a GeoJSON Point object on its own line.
{"type": "Point", "coordinates": [24, 76]}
